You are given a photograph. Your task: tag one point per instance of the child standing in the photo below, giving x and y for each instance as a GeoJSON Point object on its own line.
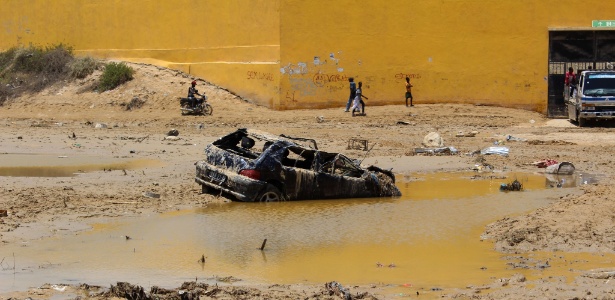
{"type": "Point", "coordinates": [408, 91]}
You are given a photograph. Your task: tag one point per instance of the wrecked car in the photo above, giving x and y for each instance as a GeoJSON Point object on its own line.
{"type": "Point", "coordinates": [255, 166]}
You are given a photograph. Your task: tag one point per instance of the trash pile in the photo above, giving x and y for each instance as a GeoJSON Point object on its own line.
{"type": "Point", "coordinates": [434, 145]}
{"type": "Point", "coordinates": [553, 167]}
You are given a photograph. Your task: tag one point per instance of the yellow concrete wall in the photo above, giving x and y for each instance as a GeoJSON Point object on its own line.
{"type": "Point", "coordinates": [232, 43]}
{"type": "Point", "coordinates": [297, 54]}
{"type": "Point", "coordinates": [470, 51]}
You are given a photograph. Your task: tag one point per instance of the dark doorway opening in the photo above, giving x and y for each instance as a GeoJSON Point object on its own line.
{"type": "Point", "coordinates": [579, 49]}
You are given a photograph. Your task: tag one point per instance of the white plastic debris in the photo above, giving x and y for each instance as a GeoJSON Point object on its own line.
{"type": "Point", "coordinates": [58, 288]}
{"type": "Point", "coordinates": [433, 140]}
{"type": "Point", "coordinates": [495, 150]}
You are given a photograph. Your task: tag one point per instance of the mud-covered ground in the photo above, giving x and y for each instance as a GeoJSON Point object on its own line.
{"type": "Point", "coordinates": [62, 121]}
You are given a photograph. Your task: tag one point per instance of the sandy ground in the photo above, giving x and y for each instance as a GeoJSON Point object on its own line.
{"type": "Point", "coordinates": [62, 121]}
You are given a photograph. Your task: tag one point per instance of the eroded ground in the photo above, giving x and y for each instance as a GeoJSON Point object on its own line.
{"type": "Point", "coordinates": [62, 122]}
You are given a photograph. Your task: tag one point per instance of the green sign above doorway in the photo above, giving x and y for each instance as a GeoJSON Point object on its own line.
{"type": "Point", "coordinates": [603, 23]}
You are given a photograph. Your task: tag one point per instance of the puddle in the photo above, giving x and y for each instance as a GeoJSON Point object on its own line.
{"type": "Point", "coordinates": [472, 184]}
{"type": "Point", "coordinates": [429, 236]}
{"type": "Point", "coordinates": [45, 165]}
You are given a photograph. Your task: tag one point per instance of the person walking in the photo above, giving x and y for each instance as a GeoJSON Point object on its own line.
{"type": "Point", "coordinates": [408, 91]}
{"type": "Point", "coordinates": [353, 92]}
{"type": "Point", "coordinates": [358, 100]}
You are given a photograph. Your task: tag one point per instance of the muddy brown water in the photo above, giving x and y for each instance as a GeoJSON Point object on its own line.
{"type": "Point", "coordinates": [428, 238]}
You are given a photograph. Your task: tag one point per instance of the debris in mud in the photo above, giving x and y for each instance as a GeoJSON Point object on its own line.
{"type": "Point", "coordinates": [515, 185]}
{"type": "Point", "coordinates": [4, 213]}
{"type": "Point", "coordinates": [59, 288]}
{"type": "Point", "coordinates": [433, 140]}
{"type": "Point", "coordinates": [483, 167]}
{"type": "Point", "coordinates": [553, 167]}
{"type": "Point", "coordinates": [529, 263]}
{"type": "Point", "coordinates": [467, 134]}
{"type": "Point", "coordinates": [481, 177]}
{"type": "Point", "coordinates": [173, 132]}
{"type": "Point", "coordinates": [263, 245]}
{"type": "Point", "coordinates": [194, 291]}
{"type": "Point", "coordinates": [436, 151]}
{"type": "Point", "coordinates": [127, 291]}
{"type": "Point", "coordinates": [434, 145]}
{"type": "Point", "coordinates": [337, 289]}
{"type": "Point", "coordinates": [172, 138]}
{"type": "Point", "coordinates": [516, 139]}
{"type": "Point", "coordinates": [357, 144]}
{"type": "Point", "coordinates": [544, 163]}
{"type": "Point", "coordinates": [101, 126]}
{"type": "Point", "coordinates": [481, 164]}
{"type": "Point", "coordinates": [563, 168]}
{"type": "Point", "coordinates": [495, 150]}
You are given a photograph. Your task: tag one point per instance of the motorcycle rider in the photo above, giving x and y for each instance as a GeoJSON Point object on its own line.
{"type": "Point", "coordinates": [191, 91]}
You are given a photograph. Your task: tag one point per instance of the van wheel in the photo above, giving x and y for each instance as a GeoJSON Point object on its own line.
{"type": "Point", "coordinates": [582, 122]}
{"type": "Point", "coordinates": [270, 194]}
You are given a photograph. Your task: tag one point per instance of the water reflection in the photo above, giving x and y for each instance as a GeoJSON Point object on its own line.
{"type": "Point", "coordinates": [568, 181]}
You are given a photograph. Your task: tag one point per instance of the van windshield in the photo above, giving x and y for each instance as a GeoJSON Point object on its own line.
{"type": "Point", "coordinates": [599, 84]}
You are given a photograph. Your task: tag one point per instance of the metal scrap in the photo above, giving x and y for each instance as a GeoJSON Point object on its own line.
{"type": "Point", "coordinates": [436, 151]}
{"type": "Point", "coordinates": [357, 144]}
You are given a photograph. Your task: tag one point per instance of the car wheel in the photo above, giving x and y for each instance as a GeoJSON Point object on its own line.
{"type": "Point", "coordinates": [204, 189]}
{"type": "Point", "coordinates": [270, 194]}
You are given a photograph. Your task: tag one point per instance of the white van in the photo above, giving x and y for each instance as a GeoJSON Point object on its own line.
{"type": "Point", "coordinates": [595, 97]}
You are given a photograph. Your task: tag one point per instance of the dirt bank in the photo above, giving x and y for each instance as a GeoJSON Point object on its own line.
{"type": "Point", "coordinates": [61, 121]}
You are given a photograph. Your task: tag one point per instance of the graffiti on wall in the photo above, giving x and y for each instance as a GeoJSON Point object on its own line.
{"type": "Point", "coordinates": [291, 97]}
{"type": "Point", "coordinates": [259, 75]}
{"type": "Point", "coordinates": [320, 79]}
{"type": "Point", "coordinates": [399, 77]}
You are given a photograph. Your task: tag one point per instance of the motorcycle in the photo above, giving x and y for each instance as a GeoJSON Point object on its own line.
{"type": "Point", "coordinates": [201, 107]}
